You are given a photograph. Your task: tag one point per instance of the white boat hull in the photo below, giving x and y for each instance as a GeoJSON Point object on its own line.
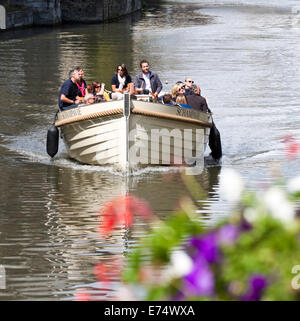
{"type": "Point", "coordinates": [153, 134]}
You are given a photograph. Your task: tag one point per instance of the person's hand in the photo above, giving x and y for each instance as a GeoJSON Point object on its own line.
{"type": "Point", "coordinates": [77, 101]}
{"type": "Point", "coordinates": [155, 95]}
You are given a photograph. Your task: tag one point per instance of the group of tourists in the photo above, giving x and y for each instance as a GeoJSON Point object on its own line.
{"type": "Point", "coordinates": [75, 91]}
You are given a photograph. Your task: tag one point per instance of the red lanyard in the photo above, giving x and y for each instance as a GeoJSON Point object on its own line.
{"type": "Point", "coordinates": [81, 88]}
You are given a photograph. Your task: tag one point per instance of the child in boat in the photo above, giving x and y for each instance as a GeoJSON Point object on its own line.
{"type": "Point", "coordinates": [89, 98]}
{"type": "Point", "coordinates": [98, 91]}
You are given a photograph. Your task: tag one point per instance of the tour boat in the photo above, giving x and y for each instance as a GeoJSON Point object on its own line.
{"type": "Point", "coordinates": [131, 133]}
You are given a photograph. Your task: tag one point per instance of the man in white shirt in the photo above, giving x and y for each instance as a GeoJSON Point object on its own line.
{"type": "Point", "coordinates": [147, 81]}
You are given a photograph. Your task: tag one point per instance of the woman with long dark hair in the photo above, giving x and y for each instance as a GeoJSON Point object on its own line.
{"type": "Point", "coordinates": [121, 82]}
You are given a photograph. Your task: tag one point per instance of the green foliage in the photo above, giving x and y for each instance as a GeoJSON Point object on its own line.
{"type": "Point", "coordinates": [255, 264]}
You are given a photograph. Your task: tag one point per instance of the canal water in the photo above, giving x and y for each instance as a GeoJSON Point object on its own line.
{"type": "Point", "coordinates": [245, 57]}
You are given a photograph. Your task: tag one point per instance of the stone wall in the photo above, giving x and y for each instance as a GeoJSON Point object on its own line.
{"type": "Point", "coordinates": [19, 18]}
{"type": "Point", "coordinates": [97, 10]}
{"type": "Point", "coordinates": [49, 12]}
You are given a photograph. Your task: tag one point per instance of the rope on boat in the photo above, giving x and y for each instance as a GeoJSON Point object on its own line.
{"type": "Point", "coordinates": [173, 117]}
{"type": "Point", "coordinates": [99, 114]}
{"type": "Point", "coordinates": [134, 111]}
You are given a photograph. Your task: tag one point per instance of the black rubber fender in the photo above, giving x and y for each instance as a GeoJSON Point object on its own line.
{"type": "Point", "coordinates": [52, 141]}
{"type": "Point", "coordinates": [215, 142]}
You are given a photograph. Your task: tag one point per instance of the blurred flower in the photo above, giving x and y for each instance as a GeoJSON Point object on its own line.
{"type": "Point", "coordinates": [245, 224]}
{"type": "Point", "coordinates": [180, 265]}
{"type": "Point", "coordinates": [81, 295]}
{"type": "Point", "coordinates": [207, 247]}
{"type": "Point", "coordinates": [200, 281]}
{"type": "Point", "coordinates": [231, 185]}
{"type": "Point", "coordinates": [121, 210]}
{"type": "Point", "coordinates": [250, 215]}
{"type": "Point", "coordinates": [101, 273]}
{"type": "Point", "coordinates": [292, 147]}
{"type": "Point", "coordinates": [257, 284]}
{"type": "Point", "coordinates": [278, 205]}
{"type": "Point", "coordinates": [227, 234]}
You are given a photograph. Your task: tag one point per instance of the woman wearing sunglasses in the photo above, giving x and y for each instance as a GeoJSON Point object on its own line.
{"type": "Point", "coordinates": [178, 93]}
{"type": "Point", "coordinates": [121, 82]}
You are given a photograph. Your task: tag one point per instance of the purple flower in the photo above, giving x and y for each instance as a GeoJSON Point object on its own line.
{"type": "Point", "coordinates": [245, 225]}
{"type": "Point", "coordinates": [227, 234]}
{"type": "Point", "coordinates": [179, 296]}
{"type": "Point", "coordinates": [257, 284]}
{"type": "Point", "coordinates": [207, 247]}
{"type": "Point", "coordinates": [200, 281]}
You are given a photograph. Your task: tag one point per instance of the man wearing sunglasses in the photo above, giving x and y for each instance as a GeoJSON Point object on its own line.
{"type": "Point", "coordinates": [189, 82]}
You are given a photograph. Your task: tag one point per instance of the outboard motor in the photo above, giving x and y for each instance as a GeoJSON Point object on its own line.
{"type": "Point", "coordinates": [52, 139]}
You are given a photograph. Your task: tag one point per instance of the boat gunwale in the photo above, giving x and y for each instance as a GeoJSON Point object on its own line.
{"type": "Point", "coordinates": [134, 110]}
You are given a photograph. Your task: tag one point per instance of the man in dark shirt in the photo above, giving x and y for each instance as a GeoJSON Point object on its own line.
{"type": "Point", "coordinates": [196, 101]}
{"type": "Point", "coordinates": [68, 96]}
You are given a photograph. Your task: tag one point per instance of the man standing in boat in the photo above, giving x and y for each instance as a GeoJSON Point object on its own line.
{"type": "Point", "coordinates": [147, 81]}
{"type": "Point", "coordinates": [68, 96]}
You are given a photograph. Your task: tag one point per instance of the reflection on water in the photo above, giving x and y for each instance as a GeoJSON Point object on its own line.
{"type": "Point", "coordinates": [244, 55]}
{"type": "Point", "coordinates": [50, 243]}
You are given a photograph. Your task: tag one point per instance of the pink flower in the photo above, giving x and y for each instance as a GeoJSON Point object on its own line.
{"type": "Point", "coordinates": [121, 211]}
{"type": "Point", "coordinates": [292, 147]}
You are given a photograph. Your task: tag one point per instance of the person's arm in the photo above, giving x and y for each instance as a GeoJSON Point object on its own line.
{"type": "Point", "coordinates": [129, 85]}
{"type": "Point", "coordinates": [114, 89]}
{"type": "Point", "coordinates": [102, 89]}
{"type": "Point", "coordinates": [115, 84]}
{"type": "Point", "coordinates": [159, 85]}
{"type": "Point", "coordinates": [138, 85]}
{"type": "Point", "coordinates": [65, 99]}
{"type": "Point", "coordinates": [205, 106]}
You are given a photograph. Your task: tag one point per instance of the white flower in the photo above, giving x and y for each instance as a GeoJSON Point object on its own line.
{"type": "Point", "coordinates": [276, 202]}
{"type": "Point", "coordinates": [231, 185]}
{"type": "Point", "coordinates": [293, 185]}
{"type": "Point", "coordinates": [180, 265]}
{"type": "Point", "coordinates": [250, 214]}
